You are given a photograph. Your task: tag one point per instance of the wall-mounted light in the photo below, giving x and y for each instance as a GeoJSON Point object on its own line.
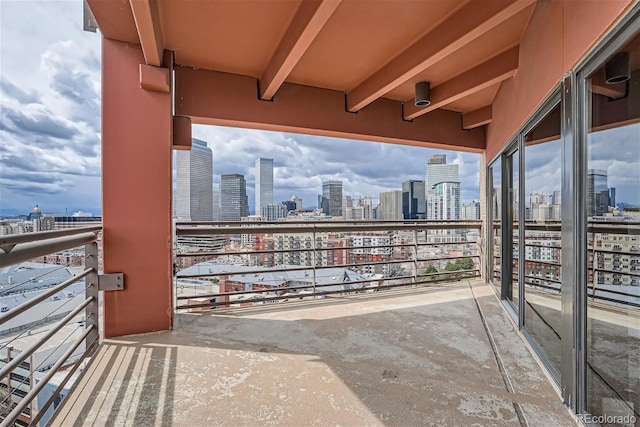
{"type": "Point", "coordinates": [617, 69]}
{"type": "Point", "coordinates": [423, 94]}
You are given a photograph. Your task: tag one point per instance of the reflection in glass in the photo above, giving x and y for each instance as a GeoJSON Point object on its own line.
{"type": "Point", "coordinates": [495, 179]}
{"type": "Point", "coordinates": [613, 242]}
{"type": "Point", "coordinates": [513, 161]}
{"type": "Point", "coordinates": [542, 279]}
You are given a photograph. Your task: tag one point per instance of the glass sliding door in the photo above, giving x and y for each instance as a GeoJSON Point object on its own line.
{"type": "Point", "coordinates": [511, 281]}
{"type": "Point", "coordinates": [542, 235]}
{"type": "Point", "coordinates": [612, 220]}
{"type": "Point", "coordinates": [495, 197]}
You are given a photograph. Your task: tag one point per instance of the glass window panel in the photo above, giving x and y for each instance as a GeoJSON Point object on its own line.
{"type": "Point", "coordinates": [514, 165]}
{"type": "Point", "coordinates": [496, 212]}
{"type": "Point", "coordinates": [613, 236]}
{"type": "Point", "coordinates": [542, 249]}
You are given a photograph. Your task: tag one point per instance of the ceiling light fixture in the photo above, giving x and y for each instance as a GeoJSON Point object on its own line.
{"type": "Point", "coordinates": [423, 94]}
{"type": "Point", "coordinates": [617, 69]}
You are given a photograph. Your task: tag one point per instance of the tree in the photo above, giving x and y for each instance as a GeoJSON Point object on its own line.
{"type": "Point", "coordinates": [429, 270]}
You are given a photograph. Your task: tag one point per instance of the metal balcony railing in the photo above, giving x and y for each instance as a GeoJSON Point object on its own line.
{"type": "Point", "coordinates": [612, 276]}
{"type": "Point", "coordinates": [60, 338]}
{"type": "Point", "coordinates": [250, 263]}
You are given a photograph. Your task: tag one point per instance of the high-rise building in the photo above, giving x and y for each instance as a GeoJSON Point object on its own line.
{"type": "Point", "coordinates": [347, 204]}
{"type": "Point", "coordinates": [390, 207]}
{"type": "Point", "coordinates": [298, 202]}
{"type": "Point", "coordinates": [274, 211]}
{"type": "Point", "coordinates": [234, 204]}
{"type": "Point", "coordinates": [194, 183]}
{"type": "Point", "coordinates": [444, 203]}
{"type": "Point", "coordinates": [471, 210]}
{"type": "Point", "coordinates": [332, 198]}
{"type": "Point", "coordinates": [597, 192]}
{"type": "Point", "coordinates": [216, 202]}
{"type": "Point", "coordinates": [264, 183]}
{"type": "Point", "coordinates": [438, 171]}
{"type": "Point", "coordinates": [612, 197]}
{"type": "Point", "coordinates": [413, 203]}
{"type": "Point", "coordinates": [290, 205]}
{"type": "Point", "coordinates": [437, 159]}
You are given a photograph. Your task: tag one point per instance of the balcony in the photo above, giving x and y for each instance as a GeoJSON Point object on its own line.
{"type": "Point", "coordinates": [406, 346]}
{"type": "Point", "coordinates": [413, 356]}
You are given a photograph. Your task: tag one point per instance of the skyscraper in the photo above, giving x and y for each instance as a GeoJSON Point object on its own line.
{"type": "Point", "coordinates": [332, 198]}
{"type": "Point", "coordinates": [444, 203]}
{"type": "Point", "coordinates": [390, 207]}
{"type": "Point", "coordinates": [471, 210]}
{"type": "Point", "coordinates": [413, 204]}
{"type": "Point", "coordinates": [347, 205]}
{"type": "Point", "coordinates": [234, 203]}
{"type": "Point", "coordinates": [597, 192]}
{"type": "Point", "coordinates": [194, 183]}
{"type": "Point", "coordinates": [264, 183]}
{"type": "Point", "coordinates": [438, 171]}
{"type": "Point", "coordinates": [274, 211]}
{"type": "Point", "coordinates": [298, 202]}
{"type": "Point", "coordinates": [216, 202]}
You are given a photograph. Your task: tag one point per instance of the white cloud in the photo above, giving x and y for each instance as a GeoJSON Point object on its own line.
{"type": "Point", "coordinates": [50, 127]}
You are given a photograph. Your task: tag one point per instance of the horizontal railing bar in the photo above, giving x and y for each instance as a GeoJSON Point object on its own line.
{"type": "Point", "coordinates": [610, 291]}
{"type": "Point", "coordinates": [67, 377]}
{"type": "Point", "coordinates": [30, 250]}
{"type": "Point", "coordinates": [286, 269]}
{"type": "Point", "coordinates": [10, 366]}
{"type": "Point", "coordinates": [611, 251]}
{"type": "Point", "coordinates": [300, 296]}
{"type": "Point", "coordinates": [333, 221]}
{"type": "Point", "coordinates": [319, 268]}
{"type": "Point", "coordinates": [14, 239]}
{"type": "Point", "coordinates": [22, 404]}
{"type": "Point", "coordinates": [622, 228]}
{"type": "Point", "coordinates": [536, 261]}
{"type": "Point", "coordinates": [317, 228]}
{"type": "Point", "coordinates": [274, 289]}
{"type": "Point", "coordinates": [633, 304]}
{"type": "Point", "coordinates": [592, 295]}
{"type": "Point", "coordinates": [533, 245]}
{"type": "Point", "coordinates": [5, 317]}
{"type": "Point", "coordinates": [604, 270]}
{"type": "Point", "coordinates": [311, 286]}
{"type": "Point", "coordinates": [318, 249]}
{"type": "Point", "coordinates": [539, 278]}
{"type": "Point", "coordinates": [540, 285]}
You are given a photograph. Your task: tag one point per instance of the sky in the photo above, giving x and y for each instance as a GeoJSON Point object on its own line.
{"type": "Point", "coordinates": [50, 128]}
{"type": "Point", "coordinates": [50, 132]}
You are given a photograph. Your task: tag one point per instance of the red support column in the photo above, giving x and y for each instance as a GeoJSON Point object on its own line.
{"type": "Point", "coordinates": [136, 194]}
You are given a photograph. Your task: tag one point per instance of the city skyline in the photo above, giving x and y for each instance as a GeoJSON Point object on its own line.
{"type": "Point", "coordinates": [50, 129]}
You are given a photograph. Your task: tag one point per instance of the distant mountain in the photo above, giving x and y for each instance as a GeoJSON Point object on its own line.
{"type": "Point", "coordinates": [625, 205]}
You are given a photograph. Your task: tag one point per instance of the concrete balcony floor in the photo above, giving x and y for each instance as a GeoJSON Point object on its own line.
{"type": "Point", "coordinates": [416, 356]}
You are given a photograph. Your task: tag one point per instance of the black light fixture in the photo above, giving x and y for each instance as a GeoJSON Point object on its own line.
{"type": "Point", "coordinates": [617, 69]}
{"type": "Point", "coordinates": [423, 93]}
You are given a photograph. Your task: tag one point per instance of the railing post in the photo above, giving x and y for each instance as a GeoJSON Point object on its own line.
{"type": "Point", "coordinates": [314, 262]}
{"type": "Point", "coordinates": [91, 282]}
{"type": "Point", "coordinates": [415, 254]}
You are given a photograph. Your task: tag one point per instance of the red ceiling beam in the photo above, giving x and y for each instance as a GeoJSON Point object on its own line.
{"type": "Point", "coordinates": [481, 116]}
{"type": "Point", "coordinates": [147, 19]}
{"type": "Point", "coordinates": [462, 27]}
{"type": "Point", "coordinates": [215, 98]}
{"type": "Point", "coordinates": [303, 29]}
{"type": "Point", "coordinates": [485, 75]}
